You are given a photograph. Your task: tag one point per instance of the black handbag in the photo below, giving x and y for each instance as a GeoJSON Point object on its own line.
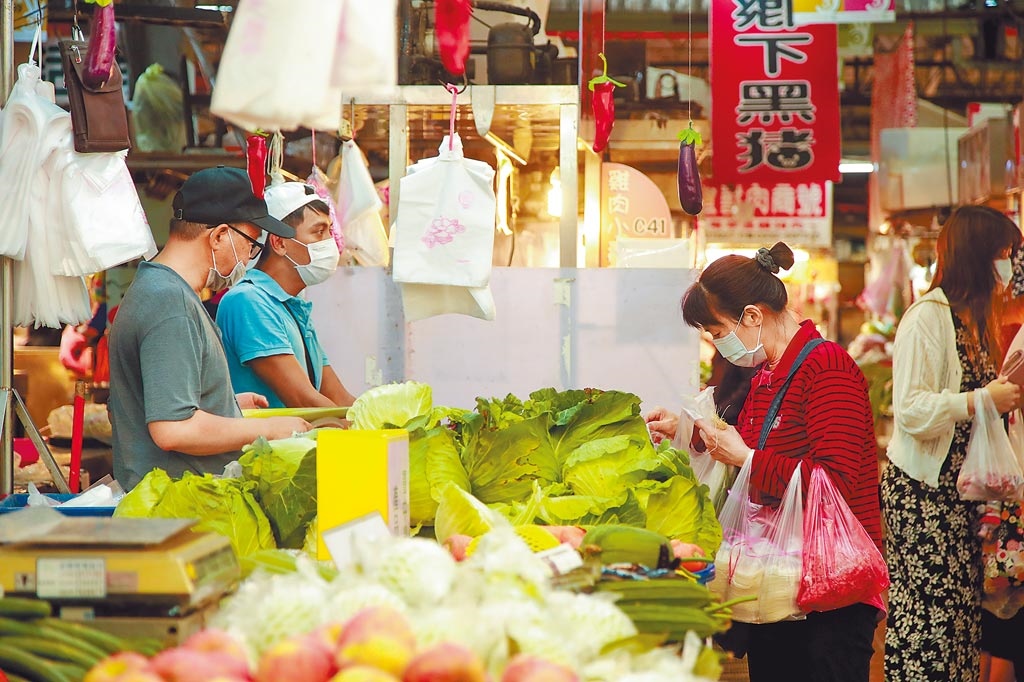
{"type": "Point", "coordinates": [98, 115]}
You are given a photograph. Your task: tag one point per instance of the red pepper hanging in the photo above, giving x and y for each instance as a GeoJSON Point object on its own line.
{"type": "Point", "coordinates": [451, 27]}
{"type": "Point", "coordinates": [691, 194]}
{"type": "Point", "coordinates": [603, 87]}
{"type": "Point", "coordinates": [256, 162]}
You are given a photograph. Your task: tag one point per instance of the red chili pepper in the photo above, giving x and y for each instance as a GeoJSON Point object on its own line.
{"type": "Point", "coordinates": [603, 102]}
{"type": "Point", "coordinates": [256, 162]}
{"type": "Point", "coordinates": [691, 194]}
{"type": "Point", "coordinates": [451, 27]}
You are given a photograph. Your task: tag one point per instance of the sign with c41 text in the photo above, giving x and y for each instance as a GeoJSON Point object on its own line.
{"type": "Point", "coordinates": [775, 93]}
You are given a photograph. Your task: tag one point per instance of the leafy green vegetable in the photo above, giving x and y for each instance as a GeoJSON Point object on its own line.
{"type": "Point", "coordinates": [459, 513]}
{"type": "Point", "coordinates": [433, 461]}
{"type": "Point", "coordinates": [391, 405]}
{"type": "Point", "coordinates": [284, 472]}
{"type": "Point", "coordinates": [223, 505]}
{"type": "Point", "coordinates": [681, 509]}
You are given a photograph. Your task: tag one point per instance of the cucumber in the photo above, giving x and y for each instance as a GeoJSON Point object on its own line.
{"type": "Point", "coordinates": [30, 667]}
{"type": "Point", "coordinates": [38, 628]}
{"type": "Point", "coordinates": [54, 651]}
{"type": "Point", "coordinates": [23, 608]}
{"type": "Point", "coordinates": [104, 641]}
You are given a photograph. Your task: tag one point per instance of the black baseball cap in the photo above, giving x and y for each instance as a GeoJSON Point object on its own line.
{"type": "Point", "coordinates": [224, 195]}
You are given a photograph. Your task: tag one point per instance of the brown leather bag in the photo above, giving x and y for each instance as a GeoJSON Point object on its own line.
{"type": "Point", "coordinates": [98, 115]}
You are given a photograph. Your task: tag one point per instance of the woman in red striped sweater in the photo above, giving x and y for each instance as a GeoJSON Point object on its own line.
{"type": "Point", "coordinates": [825, 420]}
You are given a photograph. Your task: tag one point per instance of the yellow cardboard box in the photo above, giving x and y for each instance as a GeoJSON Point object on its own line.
{"type": "Point", "coordinates": [360, 472]}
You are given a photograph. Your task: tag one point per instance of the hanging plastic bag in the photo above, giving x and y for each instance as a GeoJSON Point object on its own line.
{"type": "Point", "coordinates": [991, 470]}
{"type": "Point", "coordinates": [366, 61]}
{"type": "Point", "coordinates": [760, 554]}
{"type": "Point", "coordinates": [841, 564]}
{"type": "Point", "coordinates": [156, 112]}
{"type": "Point", "coordinates": [878, 293]}
{"type": "Point", "coordinates": [257, 89]}
{"type": "Point", "coordinates": [444, 235]}
{"type": "Point", "coordinates": [359, 210]}
{"type": "Point", "coordinates": [717, 476]}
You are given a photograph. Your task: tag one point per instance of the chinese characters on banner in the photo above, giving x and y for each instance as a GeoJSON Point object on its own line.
{"type": "Point", "coordinates": [797, 213]}
{"type": "Point", "coordinates": [844, 11]}
{"type": "Point", "coordinates": [776, 95]}
{"type": "Point", "coordinates": [631, 204]}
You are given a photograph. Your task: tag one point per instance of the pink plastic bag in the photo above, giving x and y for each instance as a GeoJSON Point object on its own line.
{"type": "Point", "coordinates": [841, 564]}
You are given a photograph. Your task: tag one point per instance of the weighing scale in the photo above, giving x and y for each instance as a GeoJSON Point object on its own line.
{"type": "Point", "coordinates": [131, 577]}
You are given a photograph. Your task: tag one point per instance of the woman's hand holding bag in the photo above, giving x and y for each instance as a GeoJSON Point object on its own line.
{"type": "Point", "coordinates": [991, 470]}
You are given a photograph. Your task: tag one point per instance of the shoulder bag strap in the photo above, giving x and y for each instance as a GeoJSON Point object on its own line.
{"type": "Point", "coordinates": [773, 409]}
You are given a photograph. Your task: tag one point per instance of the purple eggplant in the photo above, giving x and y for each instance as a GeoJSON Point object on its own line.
{"type": "Point", "coordinates": [102, 45]}
{"type": "Point", "coordinates": [691, 195]}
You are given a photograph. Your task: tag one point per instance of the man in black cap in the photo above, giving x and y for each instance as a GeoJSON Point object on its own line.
{"type": "Point", "coordinates": [171, 401]}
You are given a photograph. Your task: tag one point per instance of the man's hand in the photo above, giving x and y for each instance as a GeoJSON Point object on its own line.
{"type": "Point", "coordinates": [283, 427]}
{"type": "Point", "coordinates": [251, 401]}
{"type": "Point", "coordinates": [662, 424]}
{"type": "Point", "coordinates": [725, 443]}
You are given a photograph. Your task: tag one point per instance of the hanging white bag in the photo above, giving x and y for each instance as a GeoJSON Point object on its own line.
{"type": "Point", "coordinates": [359, 208]}
{"type": "Point", "coordinates": [257, 88]}
{"type": "Point", "coordinates": [445, 227]}
{"type": "Point", "coordinates": [991, 470]}
{"type": "Point", "coordinates": [717, 476]}
{"type": "Point", "coordinates": [94, 198]}
{"type": "Point", "coordinates": [366, 62]}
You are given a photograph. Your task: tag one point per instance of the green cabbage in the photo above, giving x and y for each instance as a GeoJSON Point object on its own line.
{"type": "Point", "coordinates": [284, 472]}
{"type": "Point", "coordinates": [459, 513]}
{"type": "Point", "coordinates": [223, 505]}
{"type": "Point", "coordinates": [433, 461]}
{"type": "Point", "coordinates": [393, 405]}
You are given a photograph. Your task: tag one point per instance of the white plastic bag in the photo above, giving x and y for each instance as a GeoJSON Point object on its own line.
{"type": "Point", "coordinates": [991, 470]}
{"type": "Point", "coordinates": [257, 88]}
{"type": "Point", "coordinates": [761, 554]}
{"type": "Point", "coordinates": [359, 208]}
{"type": "Point", "coordinates": [712, 473]}
{"type": "Point", "coordinates": [444, 235]}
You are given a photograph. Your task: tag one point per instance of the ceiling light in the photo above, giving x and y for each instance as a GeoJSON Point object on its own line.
{"type": "Point", "coordinates": [856, 167]}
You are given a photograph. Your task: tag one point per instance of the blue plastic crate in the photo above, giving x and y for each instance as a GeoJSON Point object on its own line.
{"type": "Point", "coordinates": [20, 500]}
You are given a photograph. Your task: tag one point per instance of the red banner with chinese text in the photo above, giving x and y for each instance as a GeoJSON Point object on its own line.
{"type": "Point", "coordinates": [775, 95]}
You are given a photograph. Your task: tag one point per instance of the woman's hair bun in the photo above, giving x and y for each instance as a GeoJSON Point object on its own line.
{"type": "Point", "coordinates": [779, 257]}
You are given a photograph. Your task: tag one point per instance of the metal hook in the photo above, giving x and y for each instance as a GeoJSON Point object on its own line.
{"type": "Point", "coordinates": [465, 84]}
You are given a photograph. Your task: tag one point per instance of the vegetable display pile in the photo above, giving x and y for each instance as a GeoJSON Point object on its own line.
{"type": "Point", "coordinates": [36, 647]}
{"type": "Point", "coordinates": [570, 458]}
{"type": "Point", "coordinates": [491, 608]}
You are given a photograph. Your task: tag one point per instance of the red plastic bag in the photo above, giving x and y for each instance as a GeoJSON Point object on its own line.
{"type": "Point", "coordinates": [841, 564]}
{"type": "Point", "coordinates": [451, 26]}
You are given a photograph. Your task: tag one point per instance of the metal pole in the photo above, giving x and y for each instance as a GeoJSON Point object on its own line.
{"type": "Point", "coordinates": [6, 279]}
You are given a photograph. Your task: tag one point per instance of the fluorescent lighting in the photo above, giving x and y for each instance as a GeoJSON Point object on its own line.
{"type": "Point", "coordinates": [856, 167]}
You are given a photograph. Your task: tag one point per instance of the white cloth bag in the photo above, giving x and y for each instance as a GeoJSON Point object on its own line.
{"type": "Point", "coordinates": [444, 235]}
{"type": "Point", "coordinates": [286, 63]}
{"type": "Point", "coordinates": [359, 208]}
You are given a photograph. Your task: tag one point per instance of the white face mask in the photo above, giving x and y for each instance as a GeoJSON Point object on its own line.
{"type": "Point", "coordinates": [323, 261]}
{"type": "Point", "coordinates": [215, 281]}
{"type": "Point", "coordinates": [1004, 271]}
{"type": "Point", "coordinates": [733, 349]}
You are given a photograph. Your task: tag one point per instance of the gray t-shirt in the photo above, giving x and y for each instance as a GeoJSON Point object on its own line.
{"type": "Point", "coordinates": [166, 362]}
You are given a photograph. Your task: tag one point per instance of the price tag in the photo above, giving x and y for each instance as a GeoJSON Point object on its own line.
{"type": "Point", "coordinates": [71, 578]}
{"type": "Point", "coordinates": [561, 559]}
{"type": "Point", "coordinates": [342, 541]}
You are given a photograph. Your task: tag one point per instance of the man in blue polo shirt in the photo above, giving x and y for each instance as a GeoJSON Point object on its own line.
{"type": "Point", "coordinates": [271, 346]}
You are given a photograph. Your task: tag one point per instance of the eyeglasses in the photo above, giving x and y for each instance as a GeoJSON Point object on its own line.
{"type": "Point", "coordinates": [254, 246]}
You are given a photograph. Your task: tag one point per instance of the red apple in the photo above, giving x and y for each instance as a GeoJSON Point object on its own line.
{"type": "Point", "coordinates": [379, 637]}
{"type": "Point", "coordinates": [189, 665]}
{"type": "Point", "coordinates": [298, 659]}
{"type": "Point", "coordinates": [117, 666]}
{"type": "Point", "coordinates": [526, 668]}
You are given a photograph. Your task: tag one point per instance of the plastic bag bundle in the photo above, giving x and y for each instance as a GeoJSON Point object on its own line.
{"type": "Point", "coordinates": [841, 564]}
{"type": "Point", "coordinates": [991, 470]}
{"type": "Point", "coordinates": [760, 554]}
{"type": "Point", "coordinates": [156, 112]}
{"type": "Point", "coordinates": [717, 476]}
{"type": "Point", "coordinates": [318, 181]}
{"type": "Point", "coordinates": [359, 210]}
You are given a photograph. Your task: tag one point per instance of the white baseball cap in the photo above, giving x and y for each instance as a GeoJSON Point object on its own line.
{"type": "Point", "coordinates": [286, 197]}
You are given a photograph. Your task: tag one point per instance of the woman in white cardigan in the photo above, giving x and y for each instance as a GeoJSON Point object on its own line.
{"type": "Point", "coordinates": [947, 346]}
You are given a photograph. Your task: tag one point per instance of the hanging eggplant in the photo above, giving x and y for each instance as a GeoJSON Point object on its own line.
{"type": "Point", "coordinates": [691, 195]}
{"type": "Point", "coordinates": [99, 58]}
{"type": "Point", "coordinates": [603, 104]}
